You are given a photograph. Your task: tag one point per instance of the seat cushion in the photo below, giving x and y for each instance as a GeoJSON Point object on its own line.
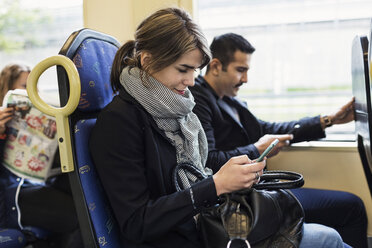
{"type": "Point", "coordinates": [100, 211]}
{"type": "Point", "coordinates": [11, 238]}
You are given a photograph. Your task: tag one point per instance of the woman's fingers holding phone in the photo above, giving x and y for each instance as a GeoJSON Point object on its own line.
{"type": "Point", "coordinates": [238, 173]}
{"type": "Point", "coordinates": [255, 171]}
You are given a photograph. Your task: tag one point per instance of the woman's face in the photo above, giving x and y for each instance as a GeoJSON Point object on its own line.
{"type": "Point", "coordinates": [20, 83]}
{"type": "Point", "coordinates": [180, 75]}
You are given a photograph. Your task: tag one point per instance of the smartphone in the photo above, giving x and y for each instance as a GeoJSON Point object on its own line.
{"type": "Point", "coordinates": [268, 150]}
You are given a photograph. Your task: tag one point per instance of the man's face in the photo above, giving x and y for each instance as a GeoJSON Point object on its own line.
{"type": "Point", "coordinates": [235, 74]}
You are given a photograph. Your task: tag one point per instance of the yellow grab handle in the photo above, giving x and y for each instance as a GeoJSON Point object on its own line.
{"type": "Point", "coordinates": [61, 114]}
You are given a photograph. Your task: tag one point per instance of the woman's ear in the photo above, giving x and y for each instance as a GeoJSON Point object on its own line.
{"type": "Point", "coordinates": [145, 59]}
{"type": "Point", "coordinates": [215, 66]}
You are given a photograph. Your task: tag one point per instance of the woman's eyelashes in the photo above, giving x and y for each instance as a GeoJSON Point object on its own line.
{"type": "Point", "coordinates": [186, 70]}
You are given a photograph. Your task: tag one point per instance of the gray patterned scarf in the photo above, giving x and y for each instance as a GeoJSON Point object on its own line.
{"type": "Point", "coordinates": [173, 114]}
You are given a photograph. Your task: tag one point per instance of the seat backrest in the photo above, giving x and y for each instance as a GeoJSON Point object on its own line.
{"type": "Point", "coordinates": [363, 107]}
{"type": "Point", "coordinates": [92, 53]}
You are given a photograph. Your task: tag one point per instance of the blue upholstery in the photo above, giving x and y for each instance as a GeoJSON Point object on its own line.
{"type": "Point", "coordinates": [92, 53]}
{"type": "Point", "coordinates": [11, 238]}
{"type": "Point", "coordinates": [93, 60]}
{"type": "Point", "coordinates": [100, 211]}
{"type": "Point", "coordinates": [37, 232]}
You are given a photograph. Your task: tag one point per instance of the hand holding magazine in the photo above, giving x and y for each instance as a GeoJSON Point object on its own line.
{"type": "Point", "coordinates": [31, 139]}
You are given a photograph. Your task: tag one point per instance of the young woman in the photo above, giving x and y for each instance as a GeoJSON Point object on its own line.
{"type": "Point", "coordinates": [48, 206]}
{"type": "Point", "coordinates": [149, 129]}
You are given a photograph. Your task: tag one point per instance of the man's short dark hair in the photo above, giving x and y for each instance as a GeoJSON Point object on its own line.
{"type": "Point", "coordinates": [224, 46]}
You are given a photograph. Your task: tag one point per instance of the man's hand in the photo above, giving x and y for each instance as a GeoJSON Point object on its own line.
{"type": "Point", "coordinates": [345, 114]}
{"type": "Point", "coordinates": [266, 140]}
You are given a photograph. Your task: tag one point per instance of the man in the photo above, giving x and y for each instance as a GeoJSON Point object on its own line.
{"type": "Point", "coordinates": [232, 130]}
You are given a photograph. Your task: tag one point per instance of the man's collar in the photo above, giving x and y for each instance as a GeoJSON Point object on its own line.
{"type": "Point", "coordinates": [204, 83]}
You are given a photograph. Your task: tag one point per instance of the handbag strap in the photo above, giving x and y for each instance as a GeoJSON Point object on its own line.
{"type": "Point", "coordinates": [270, 180]}
{"type": "Point", "coordinates": [273, 180]}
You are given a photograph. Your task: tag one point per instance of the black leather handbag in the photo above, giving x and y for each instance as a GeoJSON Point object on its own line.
{"type": "Point", "coordinates": [266, 215]}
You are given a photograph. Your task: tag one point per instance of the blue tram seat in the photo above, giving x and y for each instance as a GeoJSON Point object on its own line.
{"type": "Point", "coordinates": [363, 108]}
{"type": "Point", "coordinates": [12, 238]}
{"type": "Point", "coordinates": [92, 53]}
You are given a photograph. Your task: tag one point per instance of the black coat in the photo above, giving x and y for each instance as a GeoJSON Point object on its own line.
{"type": "Point", "coordinates": [135, 161]}
{"type": "Point", "coordinates": [228, 137]}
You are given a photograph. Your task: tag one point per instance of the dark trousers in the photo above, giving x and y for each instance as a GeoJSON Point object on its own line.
{"type": "Point", "coordinates": [342, 211]}
{"type": "Point", "coordinates": [49, 207]}
{"type": "Point", "coordinates": [52, 208]}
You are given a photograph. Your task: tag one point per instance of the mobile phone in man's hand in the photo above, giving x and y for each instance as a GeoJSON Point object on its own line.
{"type": "Point", "coordinates": [268, 150]}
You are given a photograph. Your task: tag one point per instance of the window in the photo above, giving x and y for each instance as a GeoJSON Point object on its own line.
{"type": "Point", "coordinates": [31, 31]}
{"type": "Point", "coordinates": [302, 63]}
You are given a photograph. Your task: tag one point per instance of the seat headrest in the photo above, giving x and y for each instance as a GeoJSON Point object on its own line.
{"type": "Point", "coordinates": [93, 60]}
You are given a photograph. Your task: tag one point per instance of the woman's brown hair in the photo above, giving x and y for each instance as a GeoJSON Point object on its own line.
{"type": "Point", "coordinates": [8, 76]}
{"type": "Point", "coordinates": [167, 34]}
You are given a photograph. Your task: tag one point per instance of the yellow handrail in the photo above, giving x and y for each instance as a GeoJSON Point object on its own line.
{"type": "Point", "coordinates": [61, 114]}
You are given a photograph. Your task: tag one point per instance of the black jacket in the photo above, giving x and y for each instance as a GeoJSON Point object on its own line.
{"type": "Point", "coordinates": [135, 161]}
{"type": "Point", "coordinates": [227, 137]}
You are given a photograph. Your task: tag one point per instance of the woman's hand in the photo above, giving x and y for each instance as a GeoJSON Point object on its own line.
{"type": "Point", "coordinates": [238, 173]}
{"type": "Point", "coordinates": [6, 114]}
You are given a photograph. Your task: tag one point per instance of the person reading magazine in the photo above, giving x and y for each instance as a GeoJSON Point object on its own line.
{"type": "Point", "coordinates": [27, 141]}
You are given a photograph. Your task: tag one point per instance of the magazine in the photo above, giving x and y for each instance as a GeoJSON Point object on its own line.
{"type": "Point", "coordinates": [31, 139]}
